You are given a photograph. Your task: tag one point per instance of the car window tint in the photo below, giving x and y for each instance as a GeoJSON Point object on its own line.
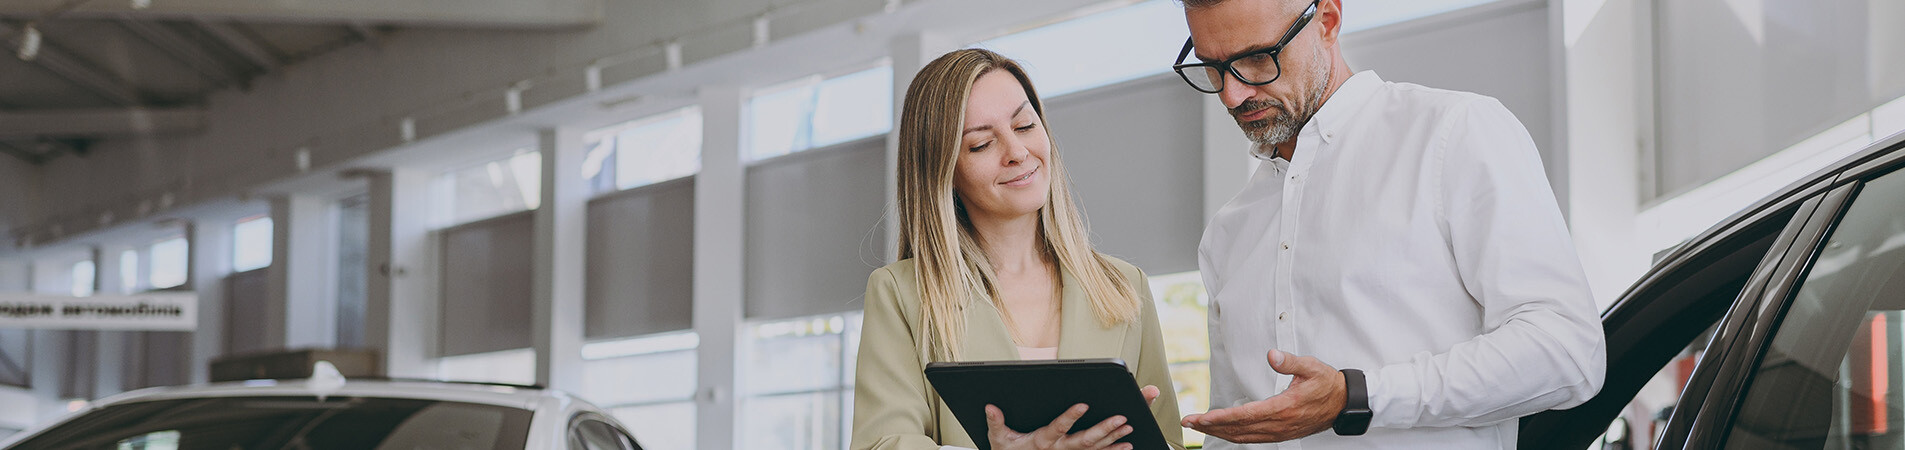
{"type": "Point", "coordinates": [291, 422]}
{"type": "Point", "coordinates": [590, 434]}
{"type": "Point", "coordinates": [1671, 345]}
{"type": "Point", "coordinates": [1639, 425]}
{"type": "Point", "coordinates": [1830, 378]}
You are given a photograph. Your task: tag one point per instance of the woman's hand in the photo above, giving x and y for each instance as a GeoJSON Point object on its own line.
{"type": "Point", "coordinates": [1103, 436]}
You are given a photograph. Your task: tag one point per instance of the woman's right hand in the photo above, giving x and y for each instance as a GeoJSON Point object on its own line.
{"type": "Point", "coordinates": [1103, 436]}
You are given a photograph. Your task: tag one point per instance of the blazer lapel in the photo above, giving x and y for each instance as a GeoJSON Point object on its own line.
{"type": "Point", "coordinates": [1081, 335]}
{"type": "Point", "coordinates": [986, 335]}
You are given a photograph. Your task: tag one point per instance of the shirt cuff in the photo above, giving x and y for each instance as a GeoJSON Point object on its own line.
{"type": "Point", "coordinates": [1394, 397]}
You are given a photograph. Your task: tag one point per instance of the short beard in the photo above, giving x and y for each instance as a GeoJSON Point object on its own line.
{"type": "Point", "coordinates": [1283, 126]}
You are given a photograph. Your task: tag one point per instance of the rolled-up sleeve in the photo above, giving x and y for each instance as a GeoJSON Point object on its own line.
{"type": "Point", "coordinates": [1543, 347]}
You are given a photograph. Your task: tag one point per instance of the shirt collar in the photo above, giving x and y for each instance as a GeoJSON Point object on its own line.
{"type": "Point", "coordinates": [1342, 105]}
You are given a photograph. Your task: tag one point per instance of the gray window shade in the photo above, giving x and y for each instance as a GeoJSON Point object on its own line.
{"type": "Point", "coordinates": [1738, 81]}
{"type": "Point", "coordinates": [164, 359]}
{"type": "Point", "coordinates": [246, 309]}
{"type": "Point", "coordinates": [813, 229]}
{"type": "Point", "coordinates": [641, 261]}
{"type": "Point", "coordinates": [1134, 152]}
{"type": "Point", "coordinates": [82, 362]}
{"type": "Point", "coordinates": [486, 285]}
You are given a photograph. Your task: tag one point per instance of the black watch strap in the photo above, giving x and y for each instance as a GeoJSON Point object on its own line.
{"type": "Point", "coordinates": [1354, 419]}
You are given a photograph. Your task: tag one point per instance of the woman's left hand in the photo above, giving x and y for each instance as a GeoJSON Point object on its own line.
{"type": "Point", "coordinates": [1150, 393]}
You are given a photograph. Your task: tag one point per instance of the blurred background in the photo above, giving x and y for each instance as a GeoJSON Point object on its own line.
{"type": "Point", "coordinates": [670, 208]}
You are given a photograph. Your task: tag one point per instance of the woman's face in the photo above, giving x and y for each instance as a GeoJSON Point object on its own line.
{"type": "Point", "coordinates": [1003, 151]}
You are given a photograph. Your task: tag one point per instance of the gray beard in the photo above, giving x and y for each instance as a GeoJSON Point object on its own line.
{"type": "Point", "coordinates": [1266, 133]}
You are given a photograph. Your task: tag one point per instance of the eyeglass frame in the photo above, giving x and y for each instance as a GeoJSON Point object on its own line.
{"type": "Point", "coordinates": [1225, 66]}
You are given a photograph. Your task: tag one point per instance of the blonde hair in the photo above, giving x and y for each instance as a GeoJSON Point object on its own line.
{"type": "Point", "coordinates": [934, 227]}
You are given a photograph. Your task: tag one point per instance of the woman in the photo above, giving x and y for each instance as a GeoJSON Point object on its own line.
{"type": "Point", "coordinates": [996, 264]}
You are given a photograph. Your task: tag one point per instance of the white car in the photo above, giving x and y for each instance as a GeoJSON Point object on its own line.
{"type": "Point", "coordinates": [333, 413]}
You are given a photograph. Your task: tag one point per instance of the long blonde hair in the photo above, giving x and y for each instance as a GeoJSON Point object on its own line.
{"type": "Point", "coordinates": [934, 227]}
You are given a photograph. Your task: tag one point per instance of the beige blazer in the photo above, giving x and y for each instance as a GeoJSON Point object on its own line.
{"type": "Point", "coordinates": [892, 408]}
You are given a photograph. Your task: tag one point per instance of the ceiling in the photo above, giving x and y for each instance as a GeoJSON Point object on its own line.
{"type": "Point", "coordinates": [114, 69]}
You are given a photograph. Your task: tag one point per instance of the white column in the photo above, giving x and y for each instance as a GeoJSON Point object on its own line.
{"type": "Point", "coordinates": [718, 268]}
{"type": "Point", "coordinates": [300, 264]}
{"type": "Point", "coordinates": [210, 250]}
{"type": "Point", "coordinates": [561, 223]}
{"type": "Point", "coordinates": [1227, 160]}
{"type": "Point", "coordinates": [910, 53]}
{"type": "Point", "coordinates": [1602, 80]}
{"type": "Point", "coordinates": [401, 301]}
{"type": "Point", "coordinates": [110, 350]}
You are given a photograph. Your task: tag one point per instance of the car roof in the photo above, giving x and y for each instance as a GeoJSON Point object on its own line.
{"type": "Point", "coordinates": [1820, 180]}
{"type": "Point", "coordinates": [520, 397]}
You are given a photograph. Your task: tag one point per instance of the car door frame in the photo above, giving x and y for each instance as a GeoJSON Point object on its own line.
{"type": "Point", "coordinates": [1708, 407]}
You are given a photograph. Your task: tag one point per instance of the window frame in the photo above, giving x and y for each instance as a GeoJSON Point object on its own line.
{"type": "Point", "coordinates": [1715, 424]}
{"type": "Point", "coordinates": [1705, 412]}
{"type": "Point", "coordinates": [572, 431]}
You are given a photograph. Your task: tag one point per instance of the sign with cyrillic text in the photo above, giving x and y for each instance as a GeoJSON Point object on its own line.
{"type": "Point", "coordinates": [167, 311]}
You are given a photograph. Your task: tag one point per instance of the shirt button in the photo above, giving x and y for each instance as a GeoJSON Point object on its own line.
{"type": "Point", "coordinates": [1286, 245]}
{"type": "Point", "coordinates": [1283, 315]}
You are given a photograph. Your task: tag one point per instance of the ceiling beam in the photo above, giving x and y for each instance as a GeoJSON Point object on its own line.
{"type": "Point", "coordinates": [99, 122]}
{"type": "Point", "coordinates": [75, 71]}
{"type": "Point", "coordinates": [181, 49]}
{"type": "Point", "coordinates": [239, 43]}
{"type": "Point", "coordinates": [466, 13]}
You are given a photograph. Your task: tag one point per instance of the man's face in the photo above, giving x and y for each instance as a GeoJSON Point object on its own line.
{"type": "Point", "coordinates": [1275, 112]}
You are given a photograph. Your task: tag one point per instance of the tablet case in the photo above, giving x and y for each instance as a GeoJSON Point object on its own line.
{"type": "Point", "coordinates": [1033, 393]}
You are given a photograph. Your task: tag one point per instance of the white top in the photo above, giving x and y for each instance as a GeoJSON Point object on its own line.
{"type": "Point", "coordinates": [1414, 237]}
{"type": "Point", "coordinates": [1037, 353]}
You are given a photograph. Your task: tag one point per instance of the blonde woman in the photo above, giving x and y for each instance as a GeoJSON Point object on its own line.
{"type": "Point", "coordinates": [996, 264]}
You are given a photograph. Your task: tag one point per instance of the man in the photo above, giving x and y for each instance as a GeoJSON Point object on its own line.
{"type": "Point", "coordinates": [1404, 235]}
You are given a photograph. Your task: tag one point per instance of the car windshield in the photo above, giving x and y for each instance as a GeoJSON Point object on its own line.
{"type": "Point", "coordinates": [290, 423]}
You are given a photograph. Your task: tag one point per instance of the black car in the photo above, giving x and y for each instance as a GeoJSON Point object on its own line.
{"type": "Point", "coordinates": [1781, 328]}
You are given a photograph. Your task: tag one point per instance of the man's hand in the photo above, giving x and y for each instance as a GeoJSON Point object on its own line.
{"type": "Point", "coordinates": [1309, 406]}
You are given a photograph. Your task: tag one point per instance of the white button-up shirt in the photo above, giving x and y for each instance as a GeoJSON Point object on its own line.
{"type": "Point", "coordinates": [1414, 237]}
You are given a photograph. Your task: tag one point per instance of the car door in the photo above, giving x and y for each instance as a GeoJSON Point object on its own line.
{"type": "Point", "coordinates": [1823, 367]}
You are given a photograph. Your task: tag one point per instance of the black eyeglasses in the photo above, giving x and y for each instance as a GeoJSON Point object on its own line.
{"type": "Point", "coordinates": [1249, 68]}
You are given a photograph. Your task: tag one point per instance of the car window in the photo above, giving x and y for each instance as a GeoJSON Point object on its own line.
{"type": "Point", "coordinates": [1655, 336]}
{"type": "Point", "coordinates": [591, 434]}
{"type": "Point", "coordinates": [291, 422]}
{"type": "Point", "coordinates": [1645, 417]}
{"type": "Point", "coordinates": [1830, 376]}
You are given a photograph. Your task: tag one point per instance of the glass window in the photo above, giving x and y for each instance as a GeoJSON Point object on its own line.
{"type": "Point", "coordinates": [798, 382]}
{"type": "Point", "coordinates": [815, 112]}
{"type": "Point", "coordinates": [657, 405]}
{"type": "Point", "coordinates": [16, 358]}
{"type": "Point", "coordinates": [353, 269]}
{"type": "Point", "coordinates": [661, 425]}
{"type": "Point", "coordinates": [1830, 377]}
{"type": "Point", "coordinates": [170, 259]}
{"type": "Point", "coordinates": [644, 151]}
{"type": "Point", "coordinates": [1097, 49]}
{"type": "Point", "coordinates": [1366, 14]}
{"type": "Point", "coordinates": [1184, 315]}
{"type": "Point", "coordinates": [251, 244]}
{"type": "Point", "coordinates": [490, 189]}
{"type": "Point", "coordinates": [507, 366]}
{"type": "Point", "coordinates": [84, 273]}
{"type": "Point", "coordinates": [129, 271]}
{"type": "Point", "coordinates": [292, 422]}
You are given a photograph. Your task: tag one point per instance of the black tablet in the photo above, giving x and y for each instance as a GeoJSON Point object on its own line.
{"type": "Point", "coordinates": [1033, 393]}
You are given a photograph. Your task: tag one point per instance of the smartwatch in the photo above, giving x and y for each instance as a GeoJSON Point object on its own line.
{"type": "Point", "coordinates": [1354, 419]}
